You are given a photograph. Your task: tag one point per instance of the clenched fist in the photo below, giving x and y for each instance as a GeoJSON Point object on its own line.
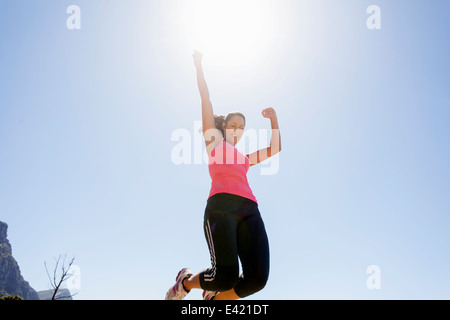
{"type": "Point", "coordinates": [197, 58]}
{"type": "Point", "coordinates": [269, 113]}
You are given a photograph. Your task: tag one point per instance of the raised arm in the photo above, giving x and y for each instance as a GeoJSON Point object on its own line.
{"type": "Point", "coordinates": [211, 133]}
{"type": "Point", "coordinates": [202, 86]}
{"type": "Point", "coordinates": [275, 140]}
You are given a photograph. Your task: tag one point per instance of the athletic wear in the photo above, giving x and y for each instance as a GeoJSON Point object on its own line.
{"type": "Point", "coordinates": [235, 230]}
{"type": "Point", "coordinates": [178, 292]}
{"type": "Point", "coordinates": [228, 170]}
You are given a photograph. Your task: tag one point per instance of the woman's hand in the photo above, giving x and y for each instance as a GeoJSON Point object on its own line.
{"type": "Point", "coordinates": [269, 113]}
{"type": "Point", "coordinates": [197, 58]}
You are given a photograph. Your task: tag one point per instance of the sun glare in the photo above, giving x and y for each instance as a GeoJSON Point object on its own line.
{"type": "Point", "coordinates": [232, 30]}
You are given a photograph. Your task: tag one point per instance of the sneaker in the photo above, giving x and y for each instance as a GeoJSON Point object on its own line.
{"type": "Point", "coordinates": [178, 292]}
{"type": "Point", "coordinates": [209, 295]}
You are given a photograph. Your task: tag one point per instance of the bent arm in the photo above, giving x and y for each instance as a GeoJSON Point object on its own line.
{"type": "Point", "coordinates": [274, 147]}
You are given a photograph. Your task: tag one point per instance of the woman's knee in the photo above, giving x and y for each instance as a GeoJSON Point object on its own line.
{"type": "Point", "coordinates": [251, 285]}
{"type": "Point", "coordinates": [259, 283]}
{"type": "Point", "coordinates": [226, 278]}
{"type": "Point", "coordinates": [221, 279]}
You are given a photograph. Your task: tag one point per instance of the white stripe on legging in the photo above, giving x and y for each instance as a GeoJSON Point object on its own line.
{"type": "Point", "coordinates": [210, 276]}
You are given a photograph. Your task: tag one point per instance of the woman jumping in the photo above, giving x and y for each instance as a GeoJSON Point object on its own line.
{"type": "Point", "coordinates": [234, 229]}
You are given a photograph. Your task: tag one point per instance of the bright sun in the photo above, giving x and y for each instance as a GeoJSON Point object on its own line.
{"type": "Point", "coordinates": [232, 30]}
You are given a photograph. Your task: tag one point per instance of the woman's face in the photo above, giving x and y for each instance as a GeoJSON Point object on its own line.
{"type": "Point", "coordinates": [234, 129]}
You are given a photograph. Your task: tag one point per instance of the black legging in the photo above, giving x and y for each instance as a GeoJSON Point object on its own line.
{"type": "Point", "coordinates": [234, 228]}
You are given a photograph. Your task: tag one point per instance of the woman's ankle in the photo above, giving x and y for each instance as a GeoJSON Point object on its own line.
{"type": "Point", "coordinates": [192, 282]}
{"type": "Point", "coordinates": [186, 285]}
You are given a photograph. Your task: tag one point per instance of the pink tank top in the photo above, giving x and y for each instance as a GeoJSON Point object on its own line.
{"type": "Point", "coordinates": [228, 170]}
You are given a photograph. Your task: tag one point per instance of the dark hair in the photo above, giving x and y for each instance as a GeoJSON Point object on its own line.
{"type": "Point", "coordinates": [219, 120]}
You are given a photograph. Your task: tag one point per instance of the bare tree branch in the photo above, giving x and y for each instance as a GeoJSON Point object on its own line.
{"type": "Point", "coordinates": [56, 284]}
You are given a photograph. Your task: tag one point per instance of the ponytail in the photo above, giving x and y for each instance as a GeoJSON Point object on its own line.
{"type": "Point", "coordinates": [219, 120]}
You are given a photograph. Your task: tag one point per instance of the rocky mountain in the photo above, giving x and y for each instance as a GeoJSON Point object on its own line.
{"type": "Point", "coordinates": [11, 280]}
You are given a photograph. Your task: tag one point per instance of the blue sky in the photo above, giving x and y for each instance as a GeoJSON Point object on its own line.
{"type": "Point", "coordinates": [86, 118]}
